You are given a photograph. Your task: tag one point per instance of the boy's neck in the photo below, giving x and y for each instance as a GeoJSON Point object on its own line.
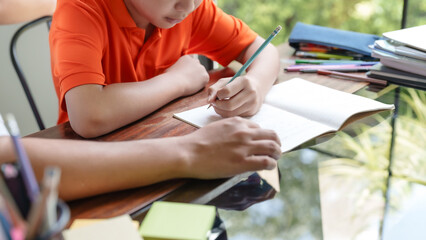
{"type": "Point", "coordinates": [148, 31]}
{"type": "Point", "coordinates": [140, 21]}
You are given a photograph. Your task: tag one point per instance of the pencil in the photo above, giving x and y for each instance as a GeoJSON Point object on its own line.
{"type": "Point", "coordinates": [352, 77]}
{"type": "Point", "coordinates": [301, 68]}
{"type": "Point", "coordinates": [322, 55]}
{"type": "Point", "coordinates": [363, 69]}
{"type": "Point", "coordinates": [27, 172]}
{"type": "Point", "coordinates": [255, 54]}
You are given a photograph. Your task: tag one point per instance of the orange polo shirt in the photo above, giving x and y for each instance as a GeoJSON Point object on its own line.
{"type": "Point", "coordinates": [97, 42]}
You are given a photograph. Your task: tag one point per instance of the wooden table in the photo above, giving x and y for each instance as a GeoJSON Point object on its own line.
{"type": "Point", "coordinates": [162, 124]}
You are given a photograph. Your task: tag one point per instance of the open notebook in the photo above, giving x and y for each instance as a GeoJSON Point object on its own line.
{"type": "Point", "coordinates": [298, 111]}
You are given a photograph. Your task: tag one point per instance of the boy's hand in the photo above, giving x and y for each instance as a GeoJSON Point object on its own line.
{"type": "Point", "coordinates": [190, 74]}
{"type": "Point", "coordinates": [229, 147]}
{"type": "Point", "coordinates": [241, 97]}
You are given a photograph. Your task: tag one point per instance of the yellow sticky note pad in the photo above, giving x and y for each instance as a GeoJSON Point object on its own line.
{"type": "Point", "coordinates": [177, 221]}
{"type": "Point", "coordinates": [78, 223]}
{"type": "Point", "coordinates": [120, 227]}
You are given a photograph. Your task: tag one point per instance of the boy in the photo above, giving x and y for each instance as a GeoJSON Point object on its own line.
{"type": "Point", "coordinates": [143, 45]}
{"type": "Point", "coordinates": [222, 149]}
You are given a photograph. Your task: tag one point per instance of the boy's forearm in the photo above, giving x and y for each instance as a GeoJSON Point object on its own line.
{"type": "Point", "coordinates": [95, 110]}
{"type": "Point", "coordinates": [220, 149]}
{"type": "Point", "coordinates": [265, 67]}
{"type": "Point", "coordinates": [6, 150]}
{"type": "Point", "coordinates": [16, 11]}
{"type": "Point", "coordinates": [91, 168]}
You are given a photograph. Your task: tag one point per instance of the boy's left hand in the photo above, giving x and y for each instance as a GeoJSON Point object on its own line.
{"type": "Point", "coordinates": [241, 97]}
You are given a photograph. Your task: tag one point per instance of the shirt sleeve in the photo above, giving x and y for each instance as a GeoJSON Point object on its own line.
{"type": "Point", "coordinates": [76, 41]}
{"type": "Point", "coordinates": [217, 35]}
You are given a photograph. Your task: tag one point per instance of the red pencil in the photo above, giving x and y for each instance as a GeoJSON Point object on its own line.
{"type": "Point", "coordinates": [352, 77]}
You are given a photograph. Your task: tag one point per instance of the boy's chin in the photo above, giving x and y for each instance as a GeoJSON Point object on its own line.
{"type": "Point", "coordinates": [166, 26]}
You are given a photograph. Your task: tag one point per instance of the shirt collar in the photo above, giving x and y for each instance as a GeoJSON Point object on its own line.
{"type": "Point", "coordinates": [122, 17]}
{"type": "Point", "coordinates": [121, 14]}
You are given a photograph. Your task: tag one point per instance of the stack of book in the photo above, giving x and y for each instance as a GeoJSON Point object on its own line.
{"type": "Point", "coordinates": [402, 55]}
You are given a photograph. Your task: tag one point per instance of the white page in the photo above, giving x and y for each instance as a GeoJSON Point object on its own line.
{"type": "Point", "coordinates": [319, 103]}
{"type": "Point", "coordinates": [292, 129]}
{"type": "Point", "coordinates": [413, 37]}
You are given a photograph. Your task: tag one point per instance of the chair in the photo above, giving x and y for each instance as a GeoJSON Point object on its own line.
{"type": "Point", "coordinates": [18, 69]}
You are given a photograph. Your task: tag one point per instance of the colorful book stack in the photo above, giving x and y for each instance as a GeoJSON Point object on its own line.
{"type": "Point", "coordinates": [402, 57]}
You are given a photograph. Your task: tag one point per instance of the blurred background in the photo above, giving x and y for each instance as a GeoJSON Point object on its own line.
{"type": "Point", "coordinates": [367, 16]}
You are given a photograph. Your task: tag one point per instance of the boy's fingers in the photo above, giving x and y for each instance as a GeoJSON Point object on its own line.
{"type": "Point", "coordinates": [256, 162]}
{"type": "Point", "coordinates": [213, 89]}
{"type": "Point", "coordinates": [235, 106]}
{"type": "Point", "coordinates": [229, 90]}
{"type": "Point", "coordinates": [267, 134]}
{"type": "Point", "coordinates": [266, 148]}
{"type": "Point", "coordinates": [212, 95]}
{"type": "Point", "coordinates": [240, 121]}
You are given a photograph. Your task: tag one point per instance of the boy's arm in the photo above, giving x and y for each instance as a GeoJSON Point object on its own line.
{"type": "Point", "coordinates": [15, 11]}
{"type": "Point", "coordinates": [221, 149]}
{"type": "Point", "coordinates": [245, 95]}
{"type": "Point", "coordinates": [95, 110]}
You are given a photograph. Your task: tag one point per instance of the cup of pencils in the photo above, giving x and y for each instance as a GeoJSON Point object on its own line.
{"type": "Point", "coordinates": [27, 210]}
{"type": "Point", "coordinates": [55, 230]}
{"type": "Point", "coordinates": [21, 218]}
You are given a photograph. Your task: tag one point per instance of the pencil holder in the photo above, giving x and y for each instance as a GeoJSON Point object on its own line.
{"type": "Point", "coordinates": [63, 213]}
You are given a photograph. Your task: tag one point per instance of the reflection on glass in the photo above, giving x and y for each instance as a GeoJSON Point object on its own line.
{"type": "Point", "coordinates": [293, 213]}
{"type": "Point", "coordinates": [410, 146]}
{"type": "Point", "coordinates": [246, 193]}
{"type": "Point", "coordinates": [407, 214]}
{"type": "Point", "coordinates": [338, 189]}
{"type": "Point", "coordinates": [354, 192]}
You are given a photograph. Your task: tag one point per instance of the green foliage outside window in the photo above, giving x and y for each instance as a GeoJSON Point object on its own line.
{"type": "Point", "coordinates": [368, 16]}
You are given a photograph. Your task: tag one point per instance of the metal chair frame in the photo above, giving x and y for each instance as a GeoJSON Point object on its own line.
{"type": "Point", "coordinates": [18, 69]}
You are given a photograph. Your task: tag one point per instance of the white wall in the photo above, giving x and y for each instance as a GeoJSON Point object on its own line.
{"type": "Point", "coordinates": [33, 53]}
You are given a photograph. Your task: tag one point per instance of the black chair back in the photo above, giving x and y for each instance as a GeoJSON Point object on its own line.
{"type": "Point", "coordinates": [18, 69]}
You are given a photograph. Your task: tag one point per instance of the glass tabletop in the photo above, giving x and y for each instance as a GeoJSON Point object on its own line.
{"type": "Point", "coordinates": [367, 182]}
{"type": "Point", "coordinates": [254, 210]}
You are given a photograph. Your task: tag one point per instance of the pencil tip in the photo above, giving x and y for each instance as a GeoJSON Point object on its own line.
{"type": "Point", "coordinates": [277, 30]}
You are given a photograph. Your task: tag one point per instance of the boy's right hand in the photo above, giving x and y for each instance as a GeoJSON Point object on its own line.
{"type": "Point", "coordinates": [189, 73]}
{"type": "Point", "coordinates": [229, 147]}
